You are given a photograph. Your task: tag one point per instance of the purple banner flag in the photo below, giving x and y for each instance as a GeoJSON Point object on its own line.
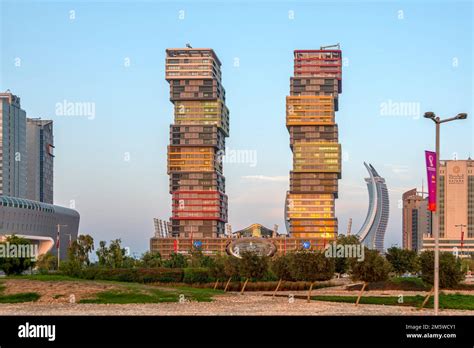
{"type": "Point", "coordinates": [431, 164]}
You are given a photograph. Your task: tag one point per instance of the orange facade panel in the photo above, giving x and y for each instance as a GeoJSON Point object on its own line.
{"type": "Point", "coordinates": [317, 157]}
{"type": "Point", "coordinates": [193, 159]}
{"type": "Point", "coordinates": [202, 112]}
{"type": "Point", "coordinates": [309, 110]}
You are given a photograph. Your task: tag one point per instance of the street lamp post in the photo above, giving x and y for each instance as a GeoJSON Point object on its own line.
{"type": "Point", "coordinates": [438, 121]}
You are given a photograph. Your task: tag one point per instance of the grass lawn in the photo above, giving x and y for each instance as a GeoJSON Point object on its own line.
{"type": "Point", "coordinates": [44, 277]}
{"type": "Point", "coordinates": [450, 301]}
{"type": "Point", "coordinates": [129, 292]}
{"type": "Point", "coordinates": [147, 294]}
{"type": "Point", "coordinates": [17, 298]}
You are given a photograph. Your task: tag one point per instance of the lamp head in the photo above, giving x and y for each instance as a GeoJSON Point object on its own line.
{"type": "Point", "coordinates": [429, 114]}
{"type": "Point", "coordinates": [461, 116]}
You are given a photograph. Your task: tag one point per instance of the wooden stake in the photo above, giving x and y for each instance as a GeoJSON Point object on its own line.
{"type": "Point", "coordinates": [278, 287]}
{"type": "Point", "coordinates": [360, 294]}
{"type": "Point", "coordinates": [227, 285]}
{"type": "Point", "coordinates": [243, 288]}
{"type": "Point", "coordinates": [426, 298]}
{"type": "Point", "coordinates": [309, 292]}
{"type": "Point", "coordinates": [215, 285]}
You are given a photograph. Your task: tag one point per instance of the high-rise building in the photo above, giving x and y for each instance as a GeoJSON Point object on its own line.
{"type": "Point", "coordinates": [456, 208]}
{"type": "Point", "coordinates": [39, 144]}
{"type": "Point", "coordinates": [13, 155]}
{"type": "Point", "coordinates": [372, 232]}
{"type": "Point", "coordinates": [416, 219]}
{"type": "Point", "coordinates": [197, 143]}
{"type": "Point", "coordinates": [310, 119]}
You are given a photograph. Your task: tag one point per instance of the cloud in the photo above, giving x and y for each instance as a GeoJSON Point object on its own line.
{"type": "Point", "coordinates": [265, 178]}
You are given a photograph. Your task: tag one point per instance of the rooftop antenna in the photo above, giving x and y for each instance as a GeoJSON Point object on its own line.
{"type": "Point", "coordinates": [188, 45]}
{"type": "Point", "coordinates": [338, 46]}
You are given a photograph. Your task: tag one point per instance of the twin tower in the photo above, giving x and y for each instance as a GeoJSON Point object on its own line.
{"type": "Point", "coordinates": [201, 124]}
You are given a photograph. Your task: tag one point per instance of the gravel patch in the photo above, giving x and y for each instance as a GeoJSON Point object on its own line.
{"type": "Point", "coordinates": [231, 304]}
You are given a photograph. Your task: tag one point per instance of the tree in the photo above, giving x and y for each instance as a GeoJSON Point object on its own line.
{"type": "Point", "coordinates": [86, 246]}
{"type": "Point", "coordinates": [311, 266]}
{"type": "Point", "coordinates": [450, 270]}
{"type": "Point", "coordinates": [197, 259]}
{"type": "Point", "coordinates": [102, 253]}
{"type": "Point", "coordinates": [112, 256]}
{"type": "Point", "coordinates": [151, 259]}
{"type": "Point", "coordinates": [231, 267]}
{"type": "Point", "coordinates": [17, 250]}
{"type": "Point", "coordinates": [253, 266]}
{"type": "Point", "coordinates": [176, 261]}
{"type": "Point", "coordinates": [373, 268]}
{"type": "Point", "coordinates": [46, 262]}
{"type": "Point", "coordinates": [117, 253]}
{"type": "Point", "coordinates": [217, 269]}
{"type": "Point", "coordinates": [402, 260]}
{"type": "Point", "coordinates": [342, 264]}
{"type": "Point", "coordinates": [79, 250]}
{"type": "Point", "coordinates": [281, 266]}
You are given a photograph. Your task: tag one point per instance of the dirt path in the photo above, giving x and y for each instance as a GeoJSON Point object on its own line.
{"type": "Point", "coordinates": [55, 301]}
{"type": "Point", "coordinates": [230, 304]}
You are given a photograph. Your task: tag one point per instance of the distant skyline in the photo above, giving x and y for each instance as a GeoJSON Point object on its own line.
{"type": "Point", "coordinates": [108, 59]}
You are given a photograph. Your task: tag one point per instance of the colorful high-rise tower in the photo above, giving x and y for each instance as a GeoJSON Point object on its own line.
{"type": "Point", "coordinates": [197, 143]}
{"type": "Point", "coordinates": [310, 119]}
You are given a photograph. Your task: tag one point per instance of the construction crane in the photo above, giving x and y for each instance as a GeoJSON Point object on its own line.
{"type": "Point", "coordinates": [338, 46]}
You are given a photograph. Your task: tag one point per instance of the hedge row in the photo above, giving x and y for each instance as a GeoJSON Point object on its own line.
{"type": "Point", "coordinates": [139, 275]}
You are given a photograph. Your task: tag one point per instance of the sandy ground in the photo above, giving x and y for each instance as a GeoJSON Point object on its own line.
{"type": "Point", "coordinates": [253, 304]}
{"type": "Point", "coordinates": [55, 301]}
{"type": "Point", "coordinates": [56, 291]}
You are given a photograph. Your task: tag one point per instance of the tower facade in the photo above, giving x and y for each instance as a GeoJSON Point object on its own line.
{"type": "Point", "coordinates": [310, 120]}
{"type": "Point", "coordinates": [416, 219]}
{"type": "Point", "coordinates": [40, 145]}
{"type": "Point", "coordinates": [13, 155]}
{"type": "Point", "coordinates": [197, 143]}
{"type": "Point", "coordinates": [372, 232]}
{"type": "Point", "coordinates": [456, 208]}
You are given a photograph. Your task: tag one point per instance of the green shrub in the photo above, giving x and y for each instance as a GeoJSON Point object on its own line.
{"type": "Point", "coordinates": [160, 275]}
{"type": "Point", "coordinates": [176, 261]}
{"type": "Point", "coordinates": [281, 267]}
{"type": "Point", "coordinates": [450, 272]}
{"type": "Point", "coordinates": [373, 268]}
{"type": "Point", "coordinates": [217, 268]}
{"type": "Point", "coordinates": [311, 266]}
{"type": "Point", "coordinates": [342, 264]}
{"type": "Point", "coordinates": [196, 275]}
{"type": "Point", "coordinates": [72, 268]}
{"type": "Point", "coordinates": [197, 259]}
{"type": "Point", "coordinates": [138, 275]}
{"type": "Point", "coordinates": [15, 265]}
{"type": "Point", "coordinates": [231, 267]}
{"type": "Point", "coordinates": [151, 260]}
{"type": "Point", "coordinates": [46, 263]}
{"type": "Point", "coordinates": [252, 266]}
{"type": "Point", "coordinates": [403, 260]}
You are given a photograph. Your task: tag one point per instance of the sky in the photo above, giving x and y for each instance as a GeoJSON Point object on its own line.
{"type": "Point", "coordinates": [400, 59]}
